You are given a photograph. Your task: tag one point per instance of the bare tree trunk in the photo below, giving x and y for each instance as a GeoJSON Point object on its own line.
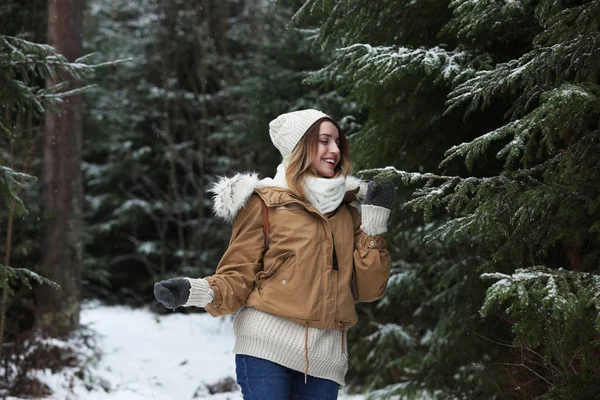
{"type": "Point", "coordinates": [62, 192]}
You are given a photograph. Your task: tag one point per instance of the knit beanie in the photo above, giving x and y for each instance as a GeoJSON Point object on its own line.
{"type": "Point", "coordinates": [287, 129]}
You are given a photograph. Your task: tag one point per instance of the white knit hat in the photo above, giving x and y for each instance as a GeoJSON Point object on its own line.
{"type": "Point", "coordinates": [287, 129]}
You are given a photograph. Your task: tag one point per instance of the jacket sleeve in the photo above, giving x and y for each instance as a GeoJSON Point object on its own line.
{"type": "Point", "coordinates": [372, 263]}
{"type": "Point", "coordinates": [233, 280]}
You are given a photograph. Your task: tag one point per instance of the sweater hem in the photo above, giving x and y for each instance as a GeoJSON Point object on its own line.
{"type": "Point", "coordinates": [283, 342]}
{"type": "Point", "coordinates": [255, 349]}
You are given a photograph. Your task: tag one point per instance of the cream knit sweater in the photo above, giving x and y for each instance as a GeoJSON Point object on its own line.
{"type": "Point", "coordinates": [277, 339]}
{"type": "Point", "coordinates": [284, 342]}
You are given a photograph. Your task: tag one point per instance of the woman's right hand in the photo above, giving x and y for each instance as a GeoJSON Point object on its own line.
{"type": "Point", "coordinates": [172, 293]}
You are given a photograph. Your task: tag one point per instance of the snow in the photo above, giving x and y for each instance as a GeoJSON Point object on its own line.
{"type": "Point", "coordinates": [150, 247]}
{"type": "Point", "coordinates": [131, 204]}
{"type": "Point", "coordinates": [515, 72]}
{"type": "Point", "coordinates": [141, 152]}
{"type": "Point", "coordinates": [391, 330]}
{"type": "Point", "coordinates": [426, 338]}
{"type": "Point", "coordinates": [569, 90]}
{"type": "Point", "coordinates": [150, 356]}
{"type": "Point", "coordinates": [388, 61]}
{"type": "Point", "coordinates": [519, 275]}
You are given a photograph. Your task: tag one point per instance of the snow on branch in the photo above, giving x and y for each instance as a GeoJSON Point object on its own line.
{"type": "Point", "coordinates": [558, 293]}
{"type": "Point", "coordinates": [390, 334]}
{"type": "Point", "coordinates": [456, 193]}
{"type": "Point", "coordinates": [43, 60]}
{"type": "Point", "coordinates": [407, 177]}
{"type": "Point", "coordinates": [524, 74]}
{"type": "Point", "coordinates": [477, 147]}
{"type": "Point", "coordinates": [366, 65]}
{"type": "Point", "coordinates": [560, 110]}
{"type": "Point", "coordinates": [9, 181]}
{"type": "Point", "coordinates": [10, 275]}
{"type": "Point", "coordinates": [131, 205]}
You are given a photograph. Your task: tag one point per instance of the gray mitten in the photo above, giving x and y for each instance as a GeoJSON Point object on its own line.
{"type": "Point", "coordinates": [375, 209]}
{"type": "Point", "coordinates": [172, 293]}
{"type": "Point", "coordinates": [382, 195]}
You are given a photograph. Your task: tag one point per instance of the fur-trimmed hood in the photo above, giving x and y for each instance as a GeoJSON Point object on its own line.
{"type": "Point", "coordinates": [231, 194]}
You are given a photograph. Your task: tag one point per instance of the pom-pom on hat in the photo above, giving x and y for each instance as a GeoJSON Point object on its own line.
{"type": "Point", "coordinates": [287, 129]}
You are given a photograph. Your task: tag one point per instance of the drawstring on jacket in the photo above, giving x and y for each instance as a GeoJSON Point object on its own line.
{"type": "Point", "coordinates": [343, 329]}
{"type": "Point", "coordinates": [306, 352]}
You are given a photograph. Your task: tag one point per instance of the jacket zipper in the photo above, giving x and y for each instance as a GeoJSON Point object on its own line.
{"type": "Point", "coordinates": [335, 260]}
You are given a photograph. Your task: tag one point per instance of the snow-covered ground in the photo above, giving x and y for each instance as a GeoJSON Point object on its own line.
{"type": "Point", "coordinates": [146, 356]}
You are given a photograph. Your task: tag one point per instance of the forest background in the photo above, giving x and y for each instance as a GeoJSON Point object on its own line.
{"type": "Point", "coordinates": [485, 113]}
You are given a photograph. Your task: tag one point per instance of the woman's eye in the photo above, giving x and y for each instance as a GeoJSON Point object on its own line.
{"type": "Point", "coordinates": [323, 141]}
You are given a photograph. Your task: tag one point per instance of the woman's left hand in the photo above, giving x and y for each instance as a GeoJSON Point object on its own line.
{"type": "Point", "coordinates": [381, 195]}
{"type": "Point", "coordinates": [375, 209]}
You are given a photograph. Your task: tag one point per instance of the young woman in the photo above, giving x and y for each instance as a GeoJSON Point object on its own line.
{"type": "Point", "coordinates": [306, 245]}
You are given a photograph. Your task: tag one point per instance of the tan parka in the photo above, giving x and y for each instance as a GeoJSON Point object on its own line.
{"type": "Point", "coordinates": [295, 277]}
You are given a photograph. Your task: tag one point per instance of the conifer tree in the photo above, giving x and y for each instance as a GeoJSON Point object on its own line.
{"type": "Point", "coordinates": [185, 110]}
{"type": "Point", "coordinates": [269, 79]}
{"type": "Point", "coordinates": [23, 67]}
{"type": "Point", "coordinates": [154, 145]}
{"type": "Point", "coordinates": [510, 210]}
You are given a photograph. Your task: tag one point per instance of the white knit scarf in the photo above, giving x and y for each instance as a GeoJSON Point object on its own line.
{"type": "Point", "coordinates": [325, 194]}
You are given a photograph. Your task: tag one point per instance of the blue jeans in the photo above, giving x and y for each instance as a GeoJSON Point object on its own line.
{"type": "Point", "coordinates": [265, 380]}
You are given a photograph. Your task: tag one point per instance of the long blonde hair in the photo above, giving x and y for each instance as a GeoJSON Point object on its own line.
{"type": "Point", "coordinates": [299, 162]}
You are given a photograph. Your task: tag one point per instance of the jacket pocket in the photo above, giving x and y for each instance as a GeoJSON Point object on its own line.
{"type": "Point", "coordinates": [279, 264]}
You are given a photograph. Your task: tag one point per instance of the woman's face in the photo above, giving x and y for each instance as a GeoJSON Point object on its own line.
{"type": "Point", "coordinates": [328, 154]}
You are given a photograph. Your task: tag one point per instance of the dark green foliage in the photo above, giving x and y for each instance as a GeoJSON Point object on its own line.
{"type": "Point", "coordinates": [22, 276]}
{"type": "Point", "coordinates": [155, 144]}
{"type": "Point", "coordinates": [25, 19]}
{"type": "Point", "coordinates": [379, 23]}
{"type": "Point", "coordinates": [270, 79]}
{"type": "Point", "coordinates": [9, 181]}
{"type": "Point", "coordinates": [24, 66]}
{"type": "Point", "coordinates": [557, 315]}
{"type": "Point", "coordinates": [495, 114]}
{"type": "Point", "coordinates": [193, 104]}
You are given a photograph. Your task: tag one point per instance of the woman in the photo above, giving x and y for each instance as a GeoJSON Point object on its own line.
{"type": "Point", "coordinates": [299, 257]}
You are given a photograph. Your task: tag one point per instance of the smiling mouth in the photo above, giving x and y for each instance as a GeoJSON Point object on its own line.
{"type": "Point", "coordinates": [329, 162]}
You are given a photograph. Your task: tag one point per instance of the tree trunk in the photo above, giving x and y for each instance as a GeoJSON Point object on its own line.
{"type": "Point", "coordinates": [62, 191]}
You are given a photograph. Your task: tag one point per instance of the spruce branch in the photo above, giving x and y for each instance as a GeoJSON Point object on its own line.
{"type": "Point", "coordinates": [10, 182]}
{"type": "Point", "coordinates": [24, 275]}
{"type": "Point", "coordinates": [575, 59]}
{"type": "Point", "coordinates": [541, 133]}
{"type": "Point", "coordinates": [558, 291]}
{"type": "Point", "coordinates": [369, 66]}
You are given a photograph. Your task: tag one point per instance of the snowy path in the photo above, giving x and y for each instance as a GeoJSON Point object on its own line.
{"type": "Point", "coordinates": [155, 357]}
